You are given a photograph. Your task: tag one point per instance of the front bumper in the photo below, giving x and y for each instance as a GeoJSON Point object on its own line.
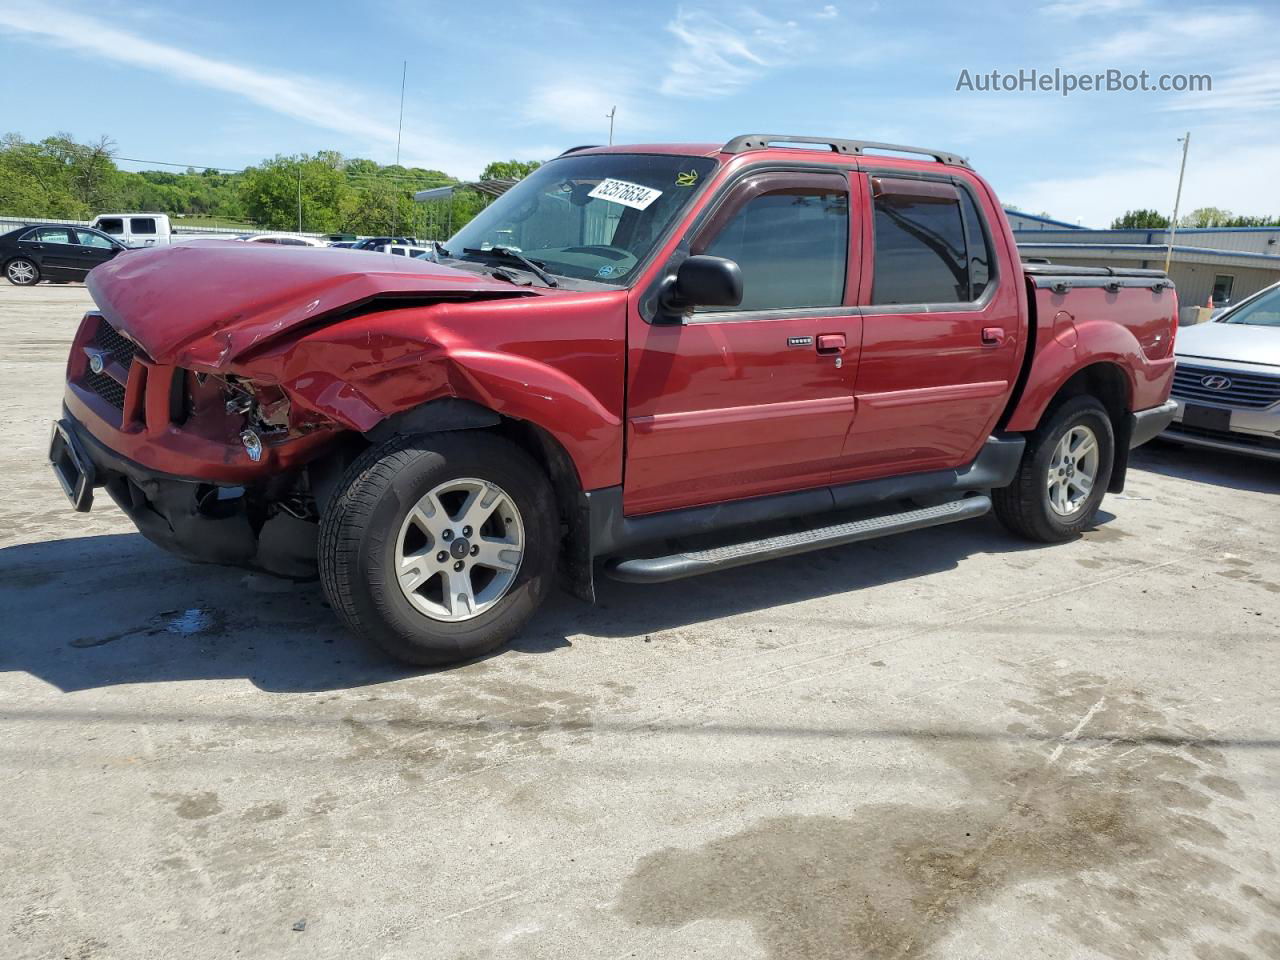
{"type": "Point", "coordinates": [189, 517]}
{"type": "Point", "coordinates": [1253, 433]}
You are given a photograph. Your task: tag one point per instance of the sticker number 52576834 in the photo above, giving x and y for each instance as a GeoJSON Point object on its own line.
{"type": "Point", "coordinates": [633, 195]}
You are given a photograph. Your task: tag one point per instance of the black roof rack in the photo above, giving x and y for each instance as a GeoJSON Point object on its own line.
{"type": "Point", "coordinates": [585, 146]}
{"type": "Point", "coordinates": [758, 141]}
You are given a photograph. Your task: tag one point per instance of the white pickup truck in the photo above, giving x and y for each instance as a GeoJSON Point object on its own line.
{"type": "Point", "coordinates": [136, 229]}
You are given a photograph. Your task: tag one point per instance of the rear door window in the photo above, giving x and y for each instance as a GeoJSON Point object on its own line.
{"type": "Point", "coordinates": [931, 245]}
{"type": "Point", "coordinates": [50, 235]}
{"type": "Point", "coordinates": [145, 225]}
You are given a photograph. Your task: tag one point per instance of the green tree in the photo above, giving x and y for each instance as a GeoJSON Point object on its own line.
{"type": "Point", "coordinates": [283, 190]}
{"type": "Point", "coordinates": [509, 169]}
{"type": "Point", "coordinates": [1140, 220]}
{"type": "Point", "coordinates": [1206, 217]}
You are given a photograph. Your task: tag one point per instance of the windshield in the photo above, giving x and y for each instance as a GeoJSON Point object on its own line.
{"type": "Point", "coordinates": [1263, 312]}
{"type": "Point", "coordinates": [593, 217]}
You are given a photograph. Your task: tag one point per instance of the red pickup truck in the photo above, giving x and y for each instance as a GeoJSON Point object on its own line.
{"type": "Point", "coordinates": [673, 358]}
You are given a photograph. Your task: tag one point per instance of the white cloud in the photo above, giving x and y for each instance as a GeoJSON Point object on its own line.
{"type": "Point", "coordinates": [303, 98]}
{"type": "Point", "coordinates": [1241, 179]}
{"type": "Point", "coordinates": [715, 58]}
{"type": "Point", "coordinates": [1248, 89]}
{"type": "Point", "coordinates": [582, 106]}
{"type": "Point", "coordinates": [829, 12]}
{"type": "Point", "coordinates": [1199, 36]}
{"type": "Point", "coordinates": [1079, 9]}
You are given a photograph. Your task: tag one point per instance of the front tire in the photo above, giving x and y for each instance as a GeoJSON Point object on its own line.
{"type": "Point", "coordinates": [439, 548]}
{"type": "Point", "coordinates": [22, 272]}
{"type": "Point", "coordinates": [1063, 475]}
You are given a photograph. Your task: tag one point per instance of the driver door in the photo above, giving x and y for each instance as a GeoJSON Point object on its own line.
{"type": "Point", "coordinates": [93, 249]}
{"type": "Point", "coordinates": [758, 398]}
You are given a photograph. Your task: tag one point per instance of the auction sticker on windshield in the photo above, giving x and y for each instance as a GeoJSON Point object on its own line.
{"type": "Point", "coordinates": [628, 194]}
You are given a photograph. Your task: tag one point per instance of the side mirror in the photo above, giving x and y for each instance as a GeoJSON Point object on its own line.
{"type": "Point", "coordinates": [702, 281]}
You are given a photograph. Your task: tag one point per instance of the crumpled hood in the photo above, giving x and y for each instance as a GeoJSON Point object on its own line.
{"type": "Point", "coordinates": [1237, 342]}
{"type": "Point", "coordinates": [205, 302]}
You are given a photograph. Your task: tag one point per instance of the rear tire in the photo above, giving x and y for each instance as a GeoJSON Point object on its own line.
{"type": "Point", "coordinates": [22, 272]}
{"type": "Point", "coordinates": [1047, 500]}
{"type": "Point", "coordinates": [403, 506]}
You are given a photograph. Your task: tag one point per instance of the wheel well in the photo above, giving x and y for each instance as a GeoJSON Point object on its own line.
{"type": "Point", "coordinates": [1108, 383]}
{"type": "Point", "coordinates": [545, 449]}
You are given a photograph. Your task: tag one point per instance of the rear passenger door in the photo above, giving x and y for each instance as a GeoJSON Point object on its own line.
{"type": "Point", "coordinates": [54, 249]}
{"type": "Point", "coordinates": [757, 398]}
{"type": "Point", "coordinates": [941, 327]}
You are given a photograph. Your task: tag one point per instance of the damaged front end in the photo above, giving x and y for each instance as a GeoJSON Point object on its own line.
{"type": "Point", "coordinates": [193, 399]}
{"type": "Point", "coordinates": [213, 467]}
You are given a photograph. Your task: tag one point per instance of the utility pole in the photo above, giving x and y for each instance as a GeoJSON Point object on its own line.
{"type": "Point", "coordinates": [299, 196]}
{"type": "Point", "coordinates": [1177, 201]}
{"type": "Point", "coordinates": [404, 72]}
{"type": "Point", "coordinates": [611, 114]}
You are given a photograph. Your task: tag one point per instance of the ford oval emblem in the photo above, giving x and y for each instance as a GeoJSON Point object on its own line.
{"type": "Point", "coordinates": [1215, 382]}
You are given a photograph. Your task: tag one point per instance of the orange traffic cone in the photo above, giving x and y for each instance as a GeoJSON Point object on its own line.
{"type": "Point", "coordinates": [1209, 302]}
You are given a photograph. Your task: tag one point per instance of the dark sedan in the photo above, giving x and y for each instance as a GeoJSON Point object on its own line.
{"type": "Point", "coordinates": [53, 251]}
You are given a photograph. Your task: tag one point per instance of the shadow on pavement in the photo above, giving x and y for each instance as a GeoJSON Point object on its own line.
{"type": "Point", "coordinates": [1208, 466]}
{"type": "Point", "coordinates": [101, 611]}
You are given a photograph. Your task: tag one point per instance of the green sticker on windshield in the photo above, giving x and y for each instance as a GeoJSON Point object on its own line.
{"type": "Point", "coordinates": [688, 179]}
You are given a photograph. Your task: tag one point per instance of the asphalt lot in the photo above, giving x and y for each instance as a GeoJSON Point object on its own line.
{"type": "Point", "coordinates": [949, 744]}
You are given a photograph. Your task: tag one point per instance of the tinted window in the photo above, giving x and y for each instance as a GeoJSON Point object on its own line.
{"type": "Point", "coordinates": [979, 248]}
{"type": "Point", "coordinates": [50, 235]}
{"type": "Point", "coordinates": [792, 246]}
{"type": "Point", "coordinates": [111, 225]}
{"type": "Point", "coordinates": [142, 225]}
{"type": "Point", "coordinates": [1222, 284]}
{"type": "Point", "coordinates": [90, 239]}
{"type": "Point", "coordinates": [920, 249]}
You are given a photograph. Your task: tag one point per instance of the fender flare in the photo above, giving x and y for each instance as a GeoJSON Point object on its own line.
{"type": "Point", "coordinates": [434, 416]}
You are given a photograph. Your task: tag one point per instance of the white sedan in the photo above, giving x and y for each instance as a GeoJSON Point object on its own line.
{"type": "Point", "coordinates": [285, 240]}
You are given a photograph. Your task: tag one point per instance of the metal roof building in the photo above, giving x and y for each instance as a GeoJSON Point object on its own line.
{"type": "Point", "coordinates": [1225, 263]}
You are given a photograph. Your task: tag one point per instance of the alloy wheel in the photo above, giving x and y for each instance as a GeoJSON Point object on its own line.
{"type": "Point", "coordinates": [459, 549]}
{"type": "Point", "coordinates": [21, 272]}
{"type": "Point", "coordinates": [1073, 469]}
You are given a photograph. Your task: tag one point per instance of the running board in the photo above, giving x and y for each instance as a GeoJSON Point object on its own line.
{"type": "Point", "coordinates": [690, 563]}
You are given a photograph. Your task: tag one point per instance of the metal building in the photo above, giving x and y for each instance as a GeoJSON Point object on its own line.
{"type": "Point", "coordinates": [1225, 263]}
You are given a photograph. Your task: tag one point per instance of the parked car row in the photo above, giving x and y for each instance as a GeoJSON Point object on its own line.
{"type": "Point", "coordinates": [61, 253]}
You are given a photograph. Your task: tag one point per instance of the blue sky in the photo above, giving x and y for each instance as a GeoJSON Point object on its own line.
{"type": "Point", "coordinates": [230, 83]}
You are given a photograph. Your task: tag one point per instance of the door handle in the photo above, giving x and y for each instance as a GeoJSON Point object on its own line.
{"type": "Point", "coordinates": [830, 342]}
{"type": "Point", "coordinates": [992, 335]}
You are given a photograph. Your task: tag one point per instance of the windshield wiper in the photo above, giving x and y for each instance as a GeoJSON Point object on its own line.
{"type": "Point", "coordinates": [530, 265]}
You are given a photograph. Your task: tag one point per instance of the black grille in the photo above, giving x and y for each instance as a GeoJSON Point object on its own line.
{"type": "Point", "coordinates": [105, 386]}
{"type": "Point", "coordinates": [118, 348]}
{"type": "Point", "coordinates": [1251, 390]}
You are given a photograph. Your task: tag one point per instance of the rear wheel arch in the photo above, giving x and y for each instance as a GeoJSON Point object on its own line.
{"type": "Point", "coordinates": [1110, 385]}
